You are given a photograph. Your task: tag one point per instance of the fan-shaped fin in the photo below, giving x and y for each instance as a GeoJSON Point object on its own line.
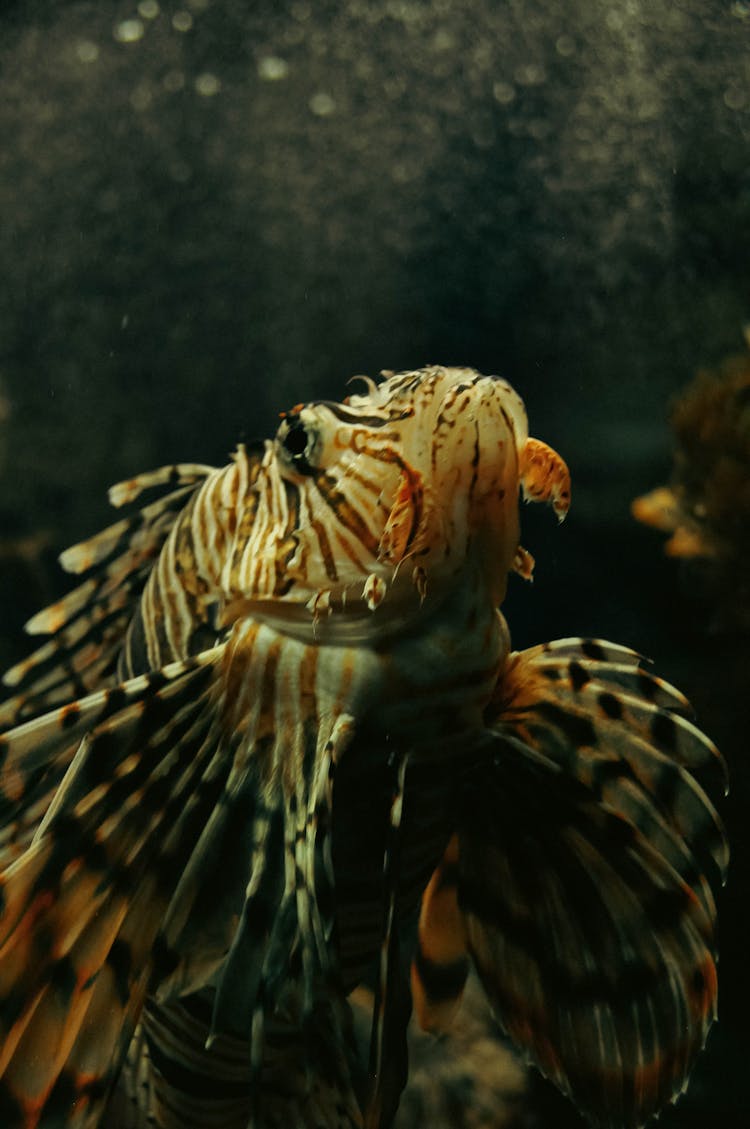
{"type": "Point", "coordinates": [88, 624]}
{"type": "Point", "coordinates": [35, 756]}
{"type": "Point", "coordinates": [621, 739]}
{"type": "Point", "coordinates": [583, 841]}
{"type": "Point", "coordinates": [81, 908]}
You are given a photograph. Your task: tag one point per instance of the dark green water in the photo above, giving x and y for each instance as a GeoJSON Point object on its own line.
{"type": "Point", "coordinates": [212, 210]}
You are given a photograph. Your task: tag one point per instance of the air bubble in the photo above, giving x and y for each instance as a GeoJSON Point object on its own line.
{"type": "Point", "coordinates": [531, 74]}
{"type": "Point", "coordinates": [322, 105]}
{"type": "Point", "coordinates": [735, 98]}
{"type": "Point", "coordinates": [565, 45]}
{"type": "Point", "coordinates": [207, 84]}
{"type": "Point", "coordinates": [503, 93]}
{"type": "Point", "coordinates": [443, 40]}
{"type": "Point", "coordinates": [129, 31]}
{"type": "Point", "coordinates": [272, 69]}
{"type": "Point", "coordinates": [87, 51]}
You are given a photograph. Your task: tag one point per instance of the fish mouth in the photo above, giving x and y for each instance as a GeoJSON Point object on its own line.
{"type": "Point", "coordinates": [348, 619]}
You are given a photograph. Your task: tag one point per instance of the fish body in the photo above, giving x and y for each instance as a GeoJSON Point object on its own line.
{"type": "Point", "coordinates": [281, 714]}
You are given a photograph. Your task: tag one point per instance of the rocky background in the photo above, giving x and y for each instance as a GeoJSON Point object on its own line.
{"type": "Point", "coordinates": [211, 209]}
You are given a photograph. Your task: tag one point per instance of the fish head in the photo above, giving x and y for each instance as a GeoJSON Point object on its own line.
{"type": "Point", "coordinates": [403, 487]}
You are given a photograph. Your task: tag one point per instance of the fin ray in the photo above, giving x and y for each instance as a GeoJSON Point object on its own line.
{"type": "Point", "coordinates": [87, 626]}
{"type": "Point", "coordinates": [82, 907]}
{"type": "Point", "coordinates": [585, 845]}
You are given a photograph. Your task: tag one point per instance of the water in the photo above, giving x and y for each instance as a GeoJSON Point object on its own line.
{"type": "Point", "coordinates": [212, 210]}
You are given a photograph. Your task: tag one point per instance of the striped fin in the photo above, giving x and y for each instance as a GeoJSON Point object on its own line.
{"type": "Point", "coordinates": [588, 859]}
{"type": "Point", "coordinates": [611, 730]}
{"type": "Point", "coordinates": [310, 1077]}
{"type": "Point", "coordinates": [146, 834]}
{"type": "Point", "coordinates": [35, 756]}
{"type": "Point", "coordinates": [176, 474]}
{"type": "Point", "coordinates": [133, 1096]}
{"type": "Point", "coordinates": [88, 624]}
{"type": "Point", "coordinates": [81, 908]}
{"type": "Point", "coordinates": [306, 1082]}
{"type": "Point", "coordinates": [190, 861]}
{"type": "Point", "coordinates": [282, 940]}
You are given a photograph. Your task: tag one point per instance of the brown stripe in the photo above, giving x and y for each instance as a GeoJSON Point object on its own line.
{"type": "Point", "coordinates": [345, 512]}
{"type": "Point", "coordinates": [325, 550]}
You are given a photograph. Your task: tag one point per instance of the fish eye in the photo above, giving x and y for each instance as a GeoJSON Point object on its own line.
{"type": "Point", "coordinates": [295, 440]}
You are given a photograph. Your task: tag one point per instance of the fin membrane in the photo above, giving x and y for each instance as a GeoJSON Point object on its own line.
{"type": "Point", "coordinates": [80, 910]}
{"type": "Point", "coordinates": [87, 626]}
{"type": "Point", "coordinates": [589, 855]}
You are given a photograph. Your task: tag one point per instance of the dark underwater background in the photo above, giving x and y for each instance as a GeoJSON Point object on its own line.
{"type": "Point", "coordinates": [213, 209]}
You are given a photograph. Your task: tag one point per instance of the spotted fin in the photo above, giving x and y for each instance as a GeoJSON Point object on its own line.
{"type": "Point", "coordinates": [148, 815]}
{"type": "Point", "coordinates": [168, 854]}
{"type": "Point", "coordinates": [589, 855]}
{"type": "Point", "coordinates": [87, 625]}
{"type": "Point", "coordinates": [96, 909]}
{"type": "Point", "coordinates": [82, 907]}
{"type": "Point", "coordinates": [35, 756]}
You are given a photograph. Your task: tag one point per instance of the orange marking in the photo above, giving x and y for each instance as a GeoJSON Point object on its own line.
{"type": "Point", "coordinates": [292, 411]}
{"type": "Point", "coordinates": [523, 563]}
{"type": "Point", "coordinates": [544, 476]}
{"type": "Point", "coordinates": [442, 939]}
{"type": "Point", "coordinates": [404, 518]}
{"type": "Point", "coordinates": [703, 988]}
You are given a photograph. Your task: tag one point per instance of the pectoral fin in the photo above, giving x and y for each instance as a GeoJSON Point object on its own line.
{"type": "Point", "coordinates": [588, 858]}
{"type": "Point", "coordinates": [88, 625]}
{"type": "Point", "coordinates": [81, 908]}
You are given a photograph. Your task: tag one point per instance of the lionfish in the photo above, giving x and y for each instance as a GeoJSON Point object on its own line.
{"type": "Point", "coordinates": [278, 743]}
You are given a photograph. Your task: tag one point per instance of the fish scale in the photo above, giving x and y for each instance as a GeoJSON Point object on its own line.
{"type": "Point", "coordinates": [277, 721]}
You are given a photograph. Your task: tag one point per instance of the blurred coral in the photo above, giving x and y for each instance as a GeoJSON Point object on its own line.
{"type": "Point", "coordinates": [706, 509]}
{"type": "Point", "coordinates": [469, 1078]}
